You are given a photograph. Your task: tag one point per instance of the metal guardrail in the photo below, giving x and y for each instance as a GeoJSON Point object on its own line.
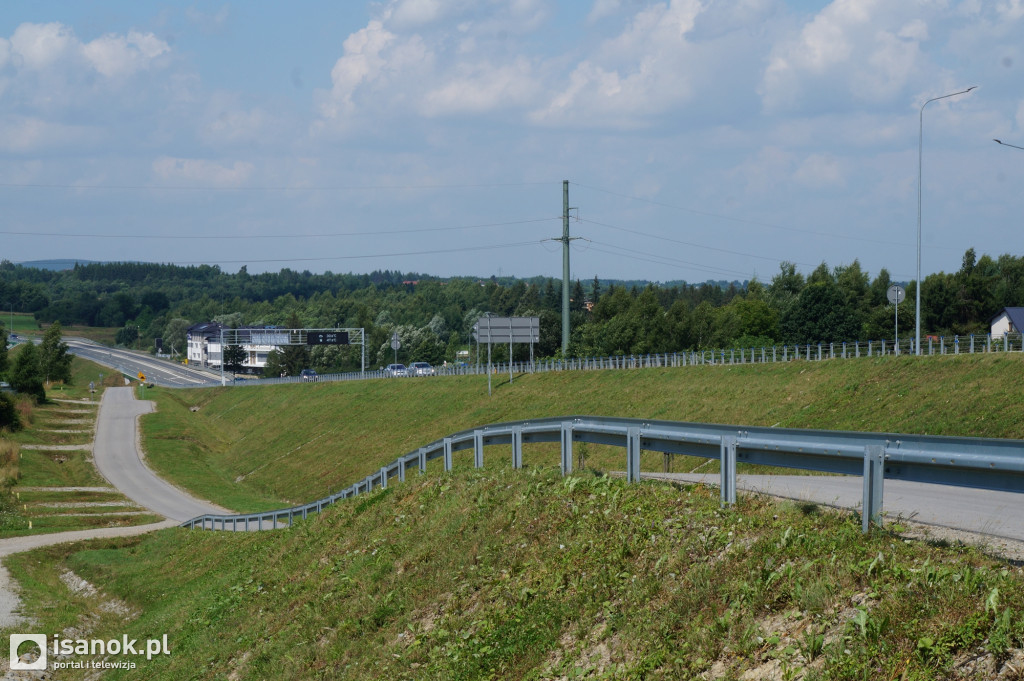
{"type": "Point", "coordinates": [932, 346]}
{"type": "Point", "coordinates": [983, 463]}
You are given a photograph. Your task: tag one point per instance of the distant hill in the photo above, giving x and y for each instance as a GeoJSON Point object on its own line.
{"type": "Point", "coordinates": [55, 264]}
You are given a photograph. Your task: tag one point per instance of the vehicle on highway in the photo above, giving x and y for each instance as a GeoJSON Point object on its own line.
{"type": "Point", "coordinates": [421, 369]}
{"type": "Point", "coordinates": [308, 375]}
{"type": "Point", "coordinates": [394, 370]}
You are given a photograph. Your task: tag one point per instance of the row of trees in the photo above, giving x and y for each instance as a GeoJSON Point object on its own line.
{"type": "Point", "coordinates": [31, 369]}
{"type": "Point", "coordinates": [434, 317]}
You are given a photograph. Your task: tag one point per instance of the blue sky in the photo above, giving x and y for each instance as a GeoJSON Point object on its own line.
{"type": "Point", "coordinates": [702, 139]}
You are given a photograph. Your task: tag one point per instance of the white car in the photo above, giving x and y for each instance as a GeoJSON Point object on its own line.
{"type": "Point", "coordinates": [421, 369]}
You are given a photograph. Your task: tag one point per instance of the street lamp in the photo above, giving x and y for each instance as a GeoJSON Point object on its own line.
{"type": "Point", "coordinates": [1005, 144]}
{"type": "Point", "coordinates": [920, 148]}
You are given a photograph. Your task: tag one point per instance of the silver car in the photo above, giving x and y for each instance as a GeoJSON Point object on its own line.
{"type": "Point", "coordinates": [421, 369]}
{"type": "Point", "coordinates": [396, 370]}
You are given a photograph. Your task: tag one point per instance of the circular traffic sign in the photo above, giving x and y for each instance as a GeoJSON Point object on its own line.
{"type": "Point", "coordinates": [395, 343]}
{"type": "Point", "coordinates": [896, 294]}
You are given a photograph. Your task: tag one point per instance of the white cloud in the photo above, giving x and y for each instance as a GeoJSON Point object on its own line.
{"type": "Point", "coordinates": [23, 134]}
{"type": "Point", "coordinates": [41, 47]}
{"type": "Point", "coordinates": [230, 125]}
{"type": "Point", "coordinates": [202, 171]}
{"type": "Point", "coordinates": [417, 12]}
{"type": "Point", "coordinates": [819, 170]}
{"type": "Point", "coordinates": [641, 72]}
{"type": "Point", "coordinates": [602, 9]}
{"type": "Point", "coordinates": [370, 54]}
{"type": "Point", "coordinates": [37, 46]}
{"type": "Point", "coordinates": [483, 87]}
{"type": "Point", "coordinates": [117, 56]}
{"type": "Point", "coordinates": [1011, 10]}
{"type": "Point", "coordinates": [867, 49]}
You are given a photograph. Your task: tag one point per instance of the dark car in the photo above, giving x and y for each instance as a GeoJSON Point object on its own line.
{"type": "Point", "coordinates": [308, 375]}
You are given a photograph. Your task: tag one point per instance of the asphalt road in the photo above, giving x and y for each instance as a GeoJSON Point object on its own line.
{"type": "Point", "coordinates": [155, 370]}
{"type": "Point", "coordinates": [119, 460]}
{"type": "Point", "coordinates": [997, 514]}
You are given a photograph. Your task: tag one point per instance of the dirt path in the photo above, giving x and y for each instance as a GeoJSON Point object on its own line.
{"type": "Point", "coordinates": [10, 603]}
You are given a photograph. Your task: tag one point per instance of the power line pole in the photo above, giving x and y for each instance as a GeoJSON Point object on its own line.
{"type": "Point", "coordinates": [565, 266]}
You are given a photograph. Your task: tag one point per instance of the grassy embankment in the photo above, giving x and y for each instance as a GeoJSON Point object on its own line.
{"type": "Point", "coordinates": [68, 419]}
{"type": "Point", "coordinates": [501, 574]}
{"type": "Point", "coordinates": [258, 448]}
{"type": "Point", "coordinates": [24, 324]}
{"type": "Point", "coordinates": [508, 575]}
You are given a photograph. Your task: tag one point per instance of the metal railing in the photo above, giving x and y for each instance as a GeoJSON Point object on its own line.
{"type": "Point", "coordinates": [983, 463]}
{"type": "Point", "coordinates": [931, 346]}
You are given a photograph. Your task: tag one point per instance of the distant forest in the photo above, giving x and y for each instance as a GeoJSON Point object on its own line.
{"type": "Point", "coordinates": [434, 316]}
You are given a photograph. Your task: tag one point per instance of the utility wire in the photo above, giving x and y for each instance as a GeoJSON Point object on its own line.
{"type": "Point", "coordinates": [282, 188]}
{"type": "Point", "coordinates": [389, 254]}
{"type": "Point", "coordinates": [694, 245]}
{"type": "Point", "coordinates": [663, 259]}
{"type": "Point", "coordinates": [758, 223]}
{"type": "Point", "coordinates": [279, 236]}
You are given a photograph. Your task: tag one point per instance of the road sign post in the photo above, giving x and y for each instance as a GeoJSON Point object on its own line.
{"type": "Point", "coordinates": [895, 294]}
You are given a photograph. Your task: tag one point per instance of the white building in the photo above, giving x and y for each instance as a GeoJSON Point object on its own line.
{"type": "Point", "coordinates": [204, 344]}
{"type": "Point", "coordinates": [1010, 320]}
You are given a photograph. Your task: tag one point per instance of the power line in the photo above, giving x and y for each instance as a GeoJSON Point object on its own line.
{"type": "Point", "coordinates": [278, 236]}
{"type": "Point", "coordinates": [758, 223]}
{"type": "Point", "coordinates": [270, 188]}
{"type": "Point", "coordinates": [663, 259]}
{"type": "Point", "coordinates": [389, 254]}
{"type": "Point", "coordinates": [694, 245]}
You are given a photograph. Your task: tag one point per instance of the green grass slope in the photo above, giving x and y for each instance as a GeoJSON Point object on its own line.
{"type": "Point", "coordinates": [526, 575]}
{"type": "Point", "coordinates": [257, 448]}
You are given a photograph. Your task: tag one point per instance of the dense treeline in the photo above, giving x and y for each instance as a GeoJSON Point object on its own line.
{"type": "Point", "coordinates": [434, 317]}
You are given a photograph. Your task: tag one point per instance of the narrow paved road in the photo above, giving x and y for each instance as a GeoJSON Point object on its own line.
{"type": "Point", "coordinates": [997, 514]}
{"type": "Point", "coordinates": [119, 460]}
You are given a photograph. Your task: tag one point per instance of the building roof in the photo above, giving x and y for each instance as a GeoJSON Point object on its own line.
{"type": "Point", "coordinates": [1016, 315]}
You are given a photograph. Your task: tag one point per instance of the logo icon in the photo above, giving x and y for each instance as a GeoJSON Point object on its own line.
{"type": "Point", "coordinates": [17, 640]}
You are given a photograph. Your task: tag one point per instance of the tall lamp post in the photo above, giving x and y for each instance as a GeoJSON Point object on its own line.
{"type": "Point", "coordinates": [1007, 144]}
{"type": "Point", "coordinates": [920, 152]}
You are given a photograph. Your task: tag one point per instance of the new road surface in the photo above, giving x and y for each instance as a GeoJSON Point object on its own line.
{"type": "Point", "coordinates": [119, 460]}
{"type": "Point", "coordinates": [132, 364]}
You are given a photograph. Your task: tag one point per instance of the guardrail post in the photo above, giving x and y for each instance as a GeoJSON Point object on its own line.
{"type": "Point", "coordinates": [384, 477]}
{"type": "Point", "coordinates": [728, 471]}
{"type": "Point", "coordinates": [447, 454]}
{"type": "Point", "coordinates": [517, 447]}
{"type": "Point", "coordinates": [423, 460]}
{"type": "Point", "coordinates": [566, 448]}
{"type": "Point", "coordinates": [401, 469]}
{"type": "Point", "coordinates": [633, 455]}
{"type": "Point", "coordinates": [874, 478]}
{"type": "Point", "coordinates": [478, 449]}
